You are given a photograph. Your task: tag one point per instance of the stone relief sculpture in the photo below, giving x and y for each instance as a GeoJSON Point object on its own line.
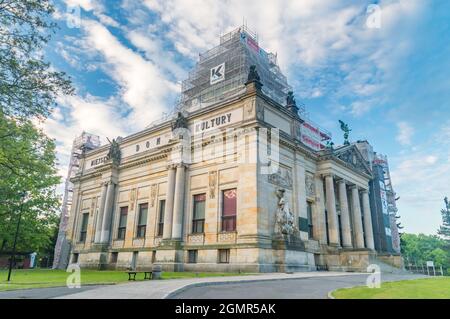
{"type": "Point", "coordinates": [153, 191]}
{"type": "Point", "coordinates": [132, 198]}
{"type": "Point", "coordinates": [282, 178]}
{"type": "Point", "coordinates": [309, 183]}
{"type": "Point", "coordinates": [212, 184]}
{"type": "Point", "coordinates": [284, 218]}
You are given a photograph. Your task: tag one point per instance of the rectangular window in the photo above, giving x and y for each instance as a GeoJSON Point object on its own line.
{"type": "Point", "coordinates": [162, 207]}
{"type": "Point", "coordinates": [114, 257]}
{"type": "Point", "coordinates": [192, 256]}
{"type": "Point", "coordinates": [229, 210]}
{"type": "Point", "coordinates": [198, 221]}
{"type": "Point", "coordinates": [84, 226]}
{"type": "Point", "coordinates": [122, 222]}
{"type": "Point", "coordinates": [75, 258]}
{"type": "Point", "coordinates": [310, 220]}
{"type": "Point", "coordinates": [224, 256]}
{"type": "Point", "coordinates": [142, 220]}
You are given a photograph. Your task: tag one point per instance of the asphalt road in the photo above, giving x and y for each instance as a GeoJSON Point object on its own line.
{"type": "Point", "coordinates": [43, 293]}
{"type": "Point", "coordinates": [304, 288]}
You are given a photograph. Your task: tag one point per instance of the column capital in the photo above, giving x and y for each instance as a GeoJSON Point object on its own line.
{"type": "Point", "coordinates": [182, 164]}
{"type": "Point", "coordinates": [328, 175]}
{"type": "Point", "coordinates": [364, 191]}
{"type": "Point", "coordinates": [342, 181]}
{"type": "Point", "coordinates": [354, 186]}
{"type": "Point", "coordinates": [171, 166]}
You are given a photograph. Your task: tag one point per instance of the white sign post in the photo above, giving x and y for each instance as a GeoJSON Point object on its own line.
{"type": "Point", "coordinates": [431, 264]}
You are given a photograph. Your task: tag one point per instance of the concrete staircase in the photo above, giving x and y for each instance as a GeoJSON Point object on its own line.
{"type": "Point", "coordinates": [386, 268]}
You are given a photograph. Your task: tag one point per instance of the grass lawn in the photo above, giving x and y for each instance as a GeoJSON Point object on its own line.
{"type": "Point", "coordinates": [40, 278]}
{"type": "Point", "coordinates": [428, 288]}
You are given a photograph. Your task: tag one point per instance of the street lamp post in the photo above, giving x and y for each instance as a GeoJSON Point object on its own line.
{"type": "Point", "coordinates": [13, 257]}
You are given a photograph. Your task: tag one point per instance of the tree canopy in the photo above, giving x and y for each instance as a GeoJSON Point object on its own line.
{"type": "Point", "coordinates": [418, 249]}
{"type": "Point", "coordinates": [444, 229]}
{"type": "Point", "coordinates": [29, 87]}
{"type": "Point", "coordinates": [28, 84]}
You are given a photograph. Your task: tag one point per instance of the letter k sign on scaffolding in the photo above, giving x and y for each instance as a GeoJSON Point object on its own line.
{"type": "Point", "coordinates": [217, 74]}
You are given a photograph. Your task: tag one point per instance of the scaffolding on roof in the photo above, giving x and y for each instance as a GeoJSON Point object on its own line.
{"type": "Point", "coordinates": [238, 50]}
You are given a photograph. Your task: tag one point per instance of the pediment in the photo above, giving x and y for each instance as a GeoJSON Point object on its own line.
{"type": "Point", "coordinates": [352, 157]}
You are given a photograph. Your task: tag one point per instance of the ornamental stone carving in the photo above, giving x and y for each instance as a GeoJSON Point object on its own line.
{"type": "Point", "coordinates": [284, 218]}
{"type": "Point", "coordinates": [132, 198]}
{"type": "Point", "coordinates": [212, 184]}
{"type": "Point", "coordinates": [310, 187]}
{"type": "Point", "coordinates": [153, 192]}
{"type": "Point", "coordinates": [282, 178]}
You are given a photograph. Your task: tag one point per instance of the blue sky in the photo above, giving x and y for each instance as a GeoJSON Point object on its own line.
{"type": "Point", "coordinates": [391, 84]}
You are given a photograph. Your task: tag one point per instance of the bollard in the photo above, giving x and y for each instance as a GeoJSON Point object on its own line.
{"type": "Point", "coordinates": [156, 272]}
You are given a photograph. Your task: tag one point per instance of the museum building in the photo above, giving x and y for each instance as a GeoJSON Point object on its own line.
{"type": "Point", "coordinates": [236, 179]}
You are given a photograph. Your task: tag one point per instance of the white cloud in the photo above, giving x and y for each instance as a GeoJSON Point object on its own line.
{"type": "Point", "coordinates": [311, 38]}
{"type": "Point", "coordinates": [405, 133]}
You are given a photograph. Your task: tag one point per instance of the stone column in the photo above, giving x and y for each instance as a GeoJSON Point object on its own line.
{"type": "Point", "coordinates": [368, 230]}
{"type": "Point", "coordinates": [333, 225]}
{"type": "Point", "coordinates": [357, 219]}
{"type": "Point", "coordinates": [168, 213]}
{"type": "Point", "coordinates": [178, 202]}
{"type": "Point", "coordinates": [320, 228]}
{"type": "Point", "coordinates": [99, 220]}
{"type": "Point", "coordinates": [345, 215]}
{"type": "Point", "coordinates": [107, 214]}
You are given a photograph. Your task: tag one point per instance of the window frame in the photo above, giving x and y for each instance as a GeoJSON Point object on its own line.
{"type": "Point", "coordinates": [197, 221]}
{"type": "Point", "coordinates": [160, 222]}
{"type": "Point", "coordinates": [233, 218]}
{"type": "Point", "coordinates": [194, 252]}
{"type": "Point", "coordinates": [309, 214]}
{"type": "Point", "coordinates": [83, 232]}
{"type": "Point", "coordinates": [227, 252]}
{"type": "Point", "coordinates": [123, 229]}
{"type": "Point", "coordinates": [140, 226]}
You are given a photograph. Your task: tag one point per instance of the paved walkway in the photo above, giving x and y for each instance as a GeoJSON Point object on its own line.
{"type": "Point", "coordinates": [274, 285]}
{"type": "Point", "coordinates": [160, 289]}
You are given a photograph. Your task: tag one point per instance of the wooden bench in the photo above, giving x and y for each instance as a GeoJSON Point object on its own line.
{"type": "Point", "coordinates": [132, 274]}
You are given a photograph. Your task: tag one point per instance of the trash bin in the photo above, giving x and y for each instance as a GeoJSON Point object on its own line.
{"type": "Point", "coordinates": [156, 272]}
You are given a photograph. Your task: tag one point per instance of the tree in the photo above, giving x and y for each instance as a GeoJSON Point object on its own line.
{"type": "Point", "coordinates": [420, 248]}
{"type": "Point", "coordinates": [27, 163]}
{"type": "Point", "coordinates": [28, 85]}
{"type": "Point", "coordinates": [28, 91]}
{"type": "Point", "coordinates": [444, 230]}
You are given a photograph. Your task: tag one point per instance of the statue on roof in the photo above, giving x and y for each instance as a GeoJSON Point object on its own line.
{"type": "Point", "coordinates": [114, 153]}
{"type": "Point", "coordinates": [291, 104]}
{"type": "Point", "coordinates": [346, 130]}
{"type": "Point", "coordinates": [253, 77]}
{"type": "Point", "coordinates": [180, 122]}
